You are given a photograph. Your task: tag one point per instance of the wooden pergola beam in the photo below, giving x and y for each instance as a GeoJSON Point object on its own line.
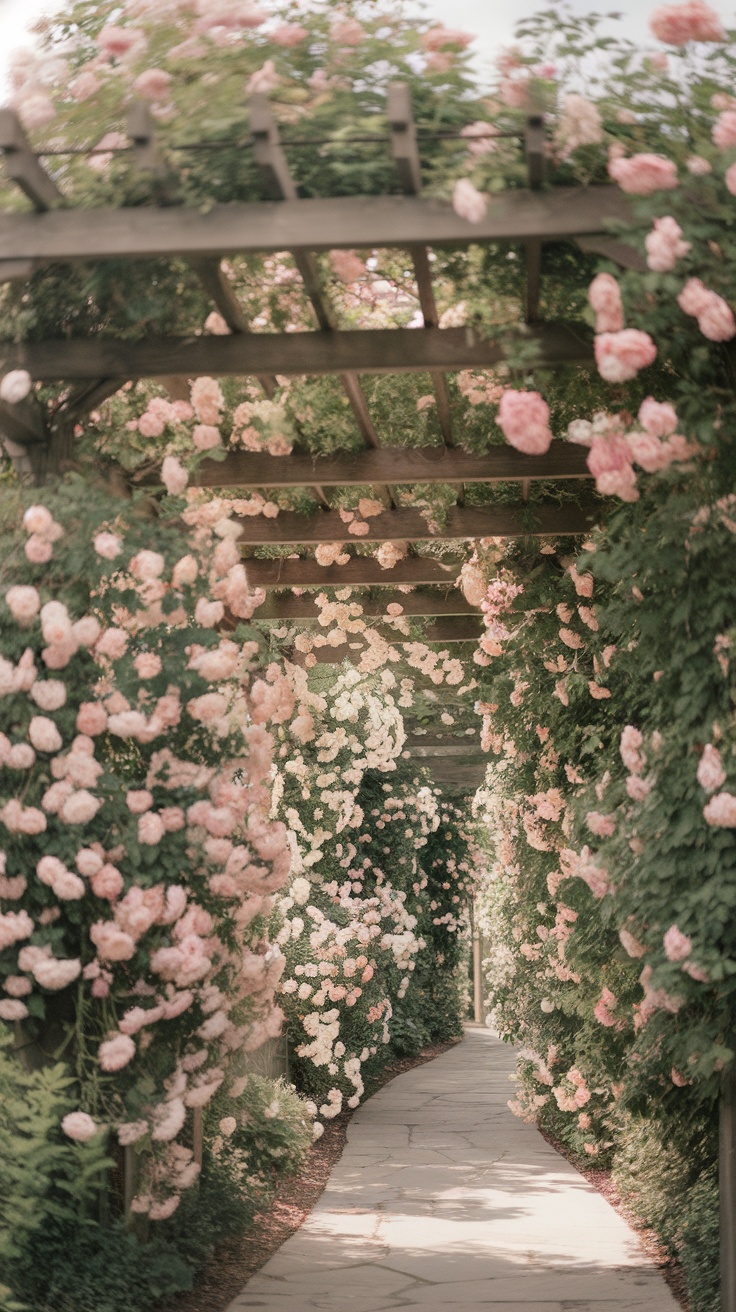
{"type": "Point", "coordinates": [378, 350]}
{"type": "Point", "coordinates": [23, 166]}
{"type": "Point", "coordinates": [365, 222]}
{"type": "Point", "coordinates": [288, 607]}
{"type": "Point", "coordinates": [410, 525]}
{"type": "Point", "coordinates": [437, 464]}
{"type": "Point", "coordinates": [360, 571]}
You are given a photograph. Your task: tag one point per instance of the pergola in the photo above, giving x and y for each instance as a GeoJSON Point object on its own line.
{"type": "Point", "coordinates": [92, 369]}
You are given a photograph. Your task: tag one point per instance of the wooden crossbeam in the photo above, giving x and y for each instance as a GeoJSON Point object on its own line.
{"type": "Point", "coordinates": [22, 164]}
{"type": "Point", "coordinates": [500, 464]}
{"type": "Point", "coordinates": [360, 571]}
{"type": "Point", "coordinates": [286, 606]}
{"type": "Point", "coordinates": [24, 422]}
{"type": "Point", "coordinates": [145, 232]}
{"type": "Point", "coordinates": [377, 350]}
{"type": "Point", "coordinates": [415, 604]}
{"type": "Point", "coordinates": [410, 525]}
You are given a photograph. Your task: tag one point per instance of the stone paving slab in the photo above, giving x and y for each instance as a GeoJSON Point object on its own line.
{"type": "Point", "coordinates": [443, 1198]}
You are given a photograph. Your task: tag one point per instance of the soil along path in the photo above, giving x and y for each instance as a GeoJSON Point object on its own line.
{"type": "Point", "coordinates": [442, 1198]}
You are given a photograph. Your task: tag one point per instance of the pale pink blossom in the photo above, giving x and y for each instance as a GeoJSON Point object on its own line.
{"type": "Point", "coordinates": [289, 34]}
{"type": "Point", "coordinates": [641, 175]}
{"type": "Point", "coordinates": [108, 545]}
{"type": "Point", "coordinates": [79, 1126]}
{"type": "Point", "coordinates": [131, 1131]}
{"type": "Point", "coordinates": [145, 565]}
{"type": "Point", "coordinates": [174, 476]}
{"type": "Point", "coordinates": [150, 829]}
{"type": "Point", "coordinates": [208, 613]}
{"type": "Point", "coordinates": [347, 265]}
{"type": "Point", "coordinates": [24, 603]}
{"type": "Point", "coordinates": [730, 179]}
{"type": "Point", "coordinates": [724, 130]}
{"type": "Point", "coordinates": [720, 811]}
{"type": "Point", "coordinates": [147, 665]}
{"type": "Point", "coordinates": [115, 42]}
{"type": "Point", "coordinates": [184, 572]}
{"type": "Point", "coordinates": [116, 1052]}
{"type": "Point", "coordinates": [580, 124]}
{"type": "Point", "coordinates": [18, 986]}
{"type": "Point", "coordinates": [440, 37]}
{"type": "Point", "coordinates": [523, 418]}
{"type": "Point", "coordinates": [604, 296]}
{"type": "Point", "coordinates": [80, 807]}
{"type": "Point", "coordinates": [162, 1210]}
{"type": "Point", "coordinates": [610, 462]}
{"type": "Point", "coordinates": [698, 166]}
{"type": "Point", "coordinates": [38, 550]}
{"type": "Point", "coordinates": [664, 245]}
{"type": "Point", "coordinates": [54, 974]}
{"type": "Point", "coordinates": [168, 1119]}
{"type": "Point", "coordinates": [710, 773]}
{"type": "Point", "coordinates": [112, 943]}
{"type": "Point", "coordinates": [619, 356]}
{"type": "Point", "coordinates": [206, 437]}
{"type": "Point", "coordinates": [601, 825]}
{"type": "Point", "coordinates": [15, 386]}
{"type": "Point", "coordinates": [87, 861]}
{"type": "Point", "coordinates": [630, 748]}
{"type": "Point", "coordinates": [692, 21]}
{"type": "Point", "coordinates": [677, 945]}
{"type": "Point", "coordinates": [207, 400]}
{"type": "Point", "coordinates": [107, 882]}
{"type": "Point", "coordinates": [657, 417]}
{"type": "Point", "coordinates": [84, 85]}
{"type": "Point", "coordinates": [44, 734]}
{"type": "Point", "coordinates": [153, 84]}
{"type": "Point", "coordinates": [49, 694]}
{"type": "Point", "coordinates": [468, 202]}
{"type": "Point", "coordinates": [91, 718]}
{"type": "Point", "coordinates": [14, 926]}
{"type": "Point", "coordinates": [347, 32]}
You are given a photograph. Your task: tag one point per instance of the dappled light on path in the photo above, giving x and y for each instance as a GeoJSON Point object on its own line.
{"type": "Point", "coordinates": [443, 1199]}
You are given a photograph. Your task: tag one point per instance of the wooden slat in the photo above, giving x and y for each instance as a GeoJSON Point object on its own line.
{"type": "Point", "coordinates": [360, 571]}
{"type": "Point", "coordinates": [534, 147]}
{"type": "Point", "coordinates": [405, 154]}
{"type": "Point", "coordinates": [144, 232]}
{"type": "Point", "coordinates": [410, 525]}
{"type": "Point", "coordinates": [274, 167]}
{"type": "Point", "coordinates": [501, 464]}
{"type": "Point", "coordinates": [379, 350]}
{"type": "Point", "coordinates": [286, 606]}
{"type": "Point", "coordinates": [23, 166]}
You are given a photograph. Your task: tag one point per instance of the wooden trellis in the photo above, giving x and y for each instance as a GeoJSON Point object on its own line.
{"type": "Point", "coordinates": [94, 368]}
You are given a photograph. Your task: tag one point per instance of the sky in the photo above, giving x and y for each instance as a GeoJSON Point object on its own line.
{"type": "Point", "coordinates": [492, 20]}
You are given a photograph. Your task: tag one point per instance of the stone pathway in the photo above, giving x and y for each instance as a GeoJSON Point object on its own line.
{"type": "Point", "coordinates": [443, 1199]}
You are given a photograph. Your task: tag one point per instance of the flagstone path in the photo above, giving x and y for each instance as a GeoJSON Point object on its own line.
{"type": "Point", "coordinates": [443, 1199]}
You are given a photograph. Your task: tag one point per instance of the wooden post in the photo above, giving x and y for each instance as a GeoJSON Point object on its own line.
{"type": "Point", "coordinates": [477, 972]}
{"type": "Point", "coordinates": [197, 1134]}
{"type": "Point", "coordinates": [130, 1165]}
{"type": "Point", "coordinates": [727, 1192]}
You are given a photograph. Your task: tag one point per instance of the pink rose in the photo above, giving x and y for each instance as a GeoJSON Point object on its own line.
{"type": "Point", "coordinates": [605, 298]}
{"type": "Point", "coordinates": [114, 42]}
{"type": "Point", "coordinates": [11, 1009]}
{"type": "Point", "coordinates": [208, 613]}
{"type": "Point", "coordinates": [38, 550]}
{"type": "Point", "coordinates": [146, 565]}
{"type": "Point", "coordinates": [44, 734]}
{"type": "Point", "coordinates": [185, 572]}
{"type": "Point", "coordinates": [49, 694]}
{"type": "Point", "coordinates": [80, 807]}
{"type": "Point", "coordinates": [664, 245]}
{"type": "Point", "coordinates": [289, 34]}
{"type": "Point", "coordinates": [150, 829]}
{"type": "Point", "coordinates": [206, 437]}
{"type": "Point", "coordinates": [23, 603]}
{"type": "Point", "coordinates": [710, 773]}
{"type": "Point", "coordinates": [648, 451]}
{"type": "Point", "coordinates": [88, 862]}
{"type": "Point", "coordinates": [657, 417]}
{"type": "Point", "coordinates": [609, 460]}
{"type": "Point", "coordinates": [692, 21]}
{"type": "Point", "coordinates": [621, 355]}
{"type": "Point", "coordinates": [112, 943]}
{"type": "Point", "coordinates": [603, 826]}
{"type": "Point", "coordinates": [112, 644]}
{"type": "Point", "coordinates": [91, 718]}
{"type": "Point", "coordinates": [698, 166]}
{"type": "Point", "coordinates": [54, 975]}
{"type": "Point", "coordinates": [15, 386]}
{"type": "Point", "coordinates": [107, 545]}
{"type": "Point", "coordinates": [468, 202]}
{"type": "Point", "coordinates": [86, 631]}
{"type": "Point", "coordinates": [720, 811]}
{"type": "Point", "coordinates": [724, 130]}
{"type": "Point", "coordinates": [523, 418]}
{"type": "Point", "coordinates": [643, 174]}
{"type": "Point", "coordinates": [677, 945]}
{"type": "Point", "coordinates": [153, 84]}
{"type": "Point", "coordinates": [147, 665]}
{"type": "Point", "coordinates": [115, 1053]}
{"type": "Point", "coordinates": [107, 882]}
{"type": "Point", "coordinates": [174, 476]}
{"type": "Point", "coordinates": [630, 749]}
{"type": "Point", "coordinates": [79, 1126]}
